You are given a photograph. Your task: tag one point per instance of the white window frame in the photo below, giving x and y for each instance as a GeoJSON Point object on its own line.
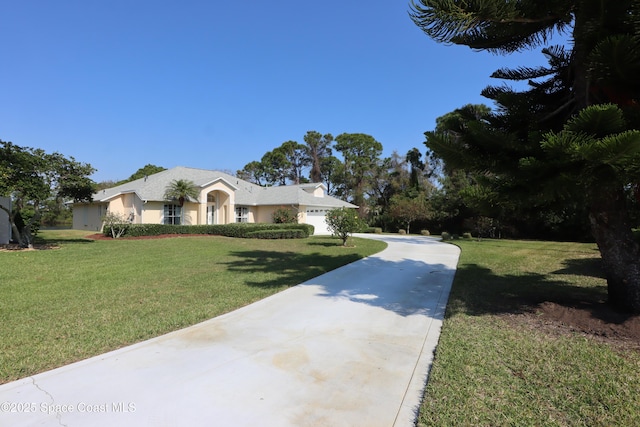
{"type": "Point", "coordinates": [242, 214]}
{"type": "Point", "coordinates": [172, 214]}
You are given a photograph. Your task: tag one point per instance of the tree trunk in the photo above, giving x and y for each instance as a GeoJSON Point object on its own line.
{"type": "Point", "coordinates": [620, 253]}
{"type": "Point", "coordinates": [316, 172]}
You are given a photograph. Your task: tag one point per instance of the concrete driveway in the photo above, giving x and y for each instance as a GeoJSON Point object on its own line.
{"type": "Point", "coordinates": [352, 347]}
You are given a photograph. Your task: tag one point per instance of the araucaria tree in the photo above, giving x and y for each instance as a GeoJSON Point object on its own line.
{"type": "Point", "coordinates": [31, 177]}
{"type": "Point", "coordinates": [574, 130]}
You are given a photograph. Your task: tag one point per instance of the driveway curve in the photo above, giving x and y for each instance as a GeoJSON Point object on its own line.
{"type": "Point", "coordinates": [352, 347]}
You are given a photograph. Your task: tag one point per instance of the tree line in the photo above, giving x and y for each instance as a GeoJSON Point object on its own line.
{"type": "Point", "coordinates": [390, 192]}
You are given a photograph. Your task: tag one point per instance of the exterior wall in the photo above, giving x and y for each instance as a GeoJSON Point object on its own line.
{"type": "Point", "coordinates": [88, 216]}
{"type": "Point", "coordinates": [190, 213]}
{"type": "Point", "coordinates": [116, 205]}
{"type": "Point", "coordinates": [152, 213]}
{"type": "Point", "coordinates": [138, 207]}
{"type": "Point", "coordinates": [302, 215]}
{"type": "Point", "coordinates": [5, 224]}
{"type": "Point", "coordinates": [264, 214]}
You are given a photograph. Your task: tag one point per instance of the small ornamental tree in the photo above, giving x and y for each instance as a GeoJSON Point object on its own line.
{"type": "Point", "coordinates": [342, 222]}
{"type": "Point", "coordinates": [409, 209]}
{"type": "Point", "coordinates": [115, 223]}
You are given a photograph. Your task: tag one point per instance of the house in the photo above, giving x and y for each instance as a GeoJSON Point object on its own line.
{"type": "Point", "coordinates": [5, 224]}
{"type": "Point", "coordinates": [223, 199]}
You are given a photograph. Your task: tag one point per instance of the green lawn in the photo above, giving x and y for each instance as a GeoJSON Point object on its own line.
{"type": "Point", "coordinates": [88, 297]}
{"type": "Point", "coordinates": [500, 362]}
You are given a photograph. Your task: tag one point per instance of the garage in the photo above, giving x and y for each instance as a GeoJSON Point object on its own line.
{"type": "Point", "coordinates": [315, 217]}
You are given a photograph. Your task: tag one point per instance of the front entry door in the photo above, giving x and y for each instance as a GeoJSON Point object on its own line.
{"type": "Point", "coordinates": [210, 214]}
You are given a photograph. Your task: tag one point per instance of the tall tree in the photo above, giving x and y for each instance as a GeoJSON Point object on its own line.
{"type": "Point", "coordinates": [146, 170]}
{"type": "Point", "coordinates": [578, 120]}
{"type": "Point", "coordinates": [318, 148]}
{"type": "Point", "coordinates": [361, 153]}
{"type": "Point", "coordinates": [384, 179]}
{"type": "Point", "coordinates": [253, 172]}
{"type": "Point", "coordinates": [32, 177]}
{"type": "Point", "coordinates": [414, 158]}
{"type": "Point", "coordinates": [389, 178]}
{"type": "Point", "coordinates": [331, 168]}
{"type": "Point", "coordinates": [276, 166]}
{"type": "Point", "coordinates": [297, 160]}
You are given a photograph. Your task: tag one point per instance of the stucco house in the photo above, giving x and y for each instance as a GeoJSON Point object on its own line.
{"type": "Point", "coordinates": [223, 199]}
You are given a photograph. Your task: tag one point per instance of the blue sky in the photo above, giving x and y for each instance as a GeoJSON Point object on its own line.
{"type": "Point", "coordinates": [216, 84]}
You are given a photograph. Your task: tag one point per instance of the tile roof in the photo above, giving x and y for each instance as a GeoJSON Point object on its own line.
{"type": "Point", "coordinates": [152, 188]}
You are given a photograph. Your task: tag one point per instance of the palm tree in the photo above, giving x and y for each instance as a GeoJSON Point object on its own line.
{"type": "Point", "coordinates": [181, 190]}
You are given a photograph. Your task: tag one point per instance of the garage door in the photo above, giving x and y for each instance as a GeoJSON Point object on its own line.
{"type": "Point", "coordinates": [315, 217]}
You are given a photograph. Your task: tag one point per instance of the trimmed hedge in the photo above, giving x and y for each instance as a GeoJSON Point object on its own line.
{"type": "Point", "coordinates": [277, 234]}
{"type": "Point", "coordinates": [241, 230]}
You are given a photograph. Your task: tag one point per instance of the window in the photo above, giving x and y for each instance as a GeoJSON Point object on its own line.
{"type": "Point", "coordinates": [242, 214]}
{"type": "Point", "coordinates": [172, 214]}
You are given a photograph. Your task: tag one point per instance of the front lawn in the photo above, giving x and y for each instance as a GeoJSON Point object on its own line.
{"type": "Point", "coordinates": [80, 298]}
{"type": "Point", "coordinates": [529, 341]}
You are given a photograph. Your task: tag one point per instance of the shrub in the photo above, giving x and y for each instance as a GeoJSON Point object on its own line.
{"type": "Point", "coordinates": [425, 232]}
{"type": "Point", "coordinates": [446, 236]}
{"type": "Point", "coordinates": [115, 225]}
{"type": "Point", "coordinates": [240, 230]}
{"type": "Point", "coordinates": [372, 230]}
{"type": "Point", "coordinates": [284, 216]}
{"type": "Point", "coordinates": [277, 234]}
{"type": "Point", "coordinates": [467, 236]}
{"type": "Point", "coordinates": [402, 231]}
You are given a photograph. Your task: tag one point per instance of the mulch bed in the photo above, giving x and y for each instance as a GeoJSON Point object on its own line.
{"type": "Point", "coordinates": [596, 320]}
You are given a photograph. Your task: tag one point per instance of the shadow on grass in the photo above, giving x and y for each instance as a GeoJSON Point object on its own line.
{"type": "Point", "coordinates": [583, 267]}
{"type": "Point", "coordinates": [58, 240]}
{"type": "Point", "coordinates": [478, 291]}
{"type": "Point", "coordinates": [286, 268]}
{"type": "Point", "coordinates": [325, 244]}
